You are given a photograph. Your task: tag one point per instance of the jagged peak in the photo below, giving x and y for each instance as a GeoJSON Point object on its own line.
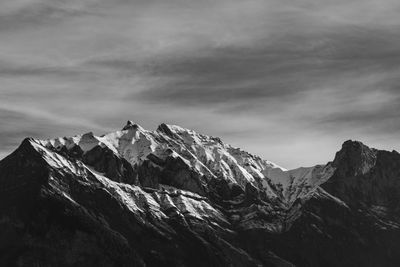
{"type": "Point", "coordinates": [32, 150]}
{"type": "Point", "coordinates": [27, 141]}
{"type": "Point", "coordinates": [165, 128]}
{"type": "Point", "coordinates": [355, 158]}
{"type": "Point", "coordinates": [353, 144]}
{"type": "Point", "coordinates": [356, 147]}
{"type": "Point", "coordinates": [31, 144]}
{"type": "Point", "coordinates": [131, 125]}
{"type": "Point", "coordinates": [171, 128]}
{"type": "Point", "coordinates": [89, 135]}
{"type": "Point", "coordinates": [26, 147]}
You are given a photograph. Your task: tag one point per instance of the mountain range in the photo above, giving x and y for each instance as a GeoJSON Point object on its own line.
{"type": "Point", "coordinates": [174, 197]}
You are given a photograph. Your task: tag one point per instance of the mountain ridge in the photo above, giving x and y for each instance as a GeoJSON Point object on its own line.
{"type": "Point", "coordinates": [192, 200]}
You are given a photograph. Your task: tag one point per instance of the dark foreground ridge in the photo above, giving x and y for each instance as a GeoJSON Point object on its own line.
{"type": "Point", "coordinates": [172, 197]}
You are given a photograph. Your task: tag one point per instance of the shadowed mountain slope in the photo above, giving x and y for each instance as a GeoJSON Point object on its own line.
{"type": "Point", "coordinates": [173, 197]}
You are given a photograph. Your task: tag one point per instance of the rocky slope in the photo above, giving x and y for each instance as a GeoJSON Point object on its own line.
{"type": "Point", "coordinates": [173, 197]}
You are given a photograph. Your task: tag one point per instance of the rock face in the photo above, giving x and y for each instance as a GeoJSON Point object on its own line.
{"type": "Point", "coordinates": [173, 197]}
{"type": "Point", "coordinates": [366, 177]}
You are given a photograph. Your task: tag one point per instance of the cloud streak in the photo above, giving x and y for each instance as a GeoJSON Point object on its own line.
{"type": "Point", "coordinates": [282, 79]}
{"type": "Point", "coordinates": [22, 14]}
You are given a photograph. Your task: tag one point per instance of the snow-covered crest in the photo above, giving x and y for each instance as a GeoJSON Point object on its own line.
{"type": "Point", "coordinates": [208, 156]}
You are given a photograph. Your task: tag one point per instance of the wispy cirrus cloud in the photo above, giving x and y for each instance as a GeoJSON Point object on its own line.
{"type": "Point", "coordinates": [21, 14]}
{"type": "Point", "coordinates": [283, 79]}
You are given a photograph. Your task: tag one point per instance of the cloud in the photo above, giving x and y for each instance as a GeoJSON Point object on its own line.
{"type": "Point", "coordinates": [376, 111]}
{"type": "Point", "coordinates": [282, 71]}
{"type": "Point", "coordinates": [289, 80]}
{"type": "Point", "coordinates": [18, 14]}
{"type": "Point", "coordinates": [19, 70]}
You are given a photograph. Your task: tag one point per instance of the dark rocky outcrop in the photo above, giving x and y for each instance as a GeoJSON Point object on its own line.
{"type": "Point", "coordinates": [62, 207]}
{"type": "Point", "coordinates": [366, 177]}
{"type": "Point", "coordinates": [105, 161]}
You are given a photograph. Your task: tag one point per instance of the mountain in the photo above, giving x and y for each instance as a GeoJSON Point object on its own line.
{"type": "Point", "coordinates": [173, 197]}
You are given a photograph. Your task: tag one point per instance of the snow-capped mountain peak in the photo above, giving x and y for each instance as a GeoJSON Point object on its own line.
{"type": "Point", "coordinates": [207, 156]}
{"type": "Point", "coordinates": [151, 198]}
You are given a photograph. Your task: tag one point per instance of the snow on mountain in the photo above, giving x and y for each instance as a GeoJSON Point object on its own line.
{"type": "Point", "coordinates": [174, 197]}
{"type": "Point", "coordinates": [138, 201]}
{"type": "Point", "coordinates": [207, 155]}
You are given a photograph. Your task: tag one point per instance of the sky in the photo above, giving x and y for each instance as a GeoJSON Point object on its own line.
{"type": "Point", "coordinates": [287, 80]}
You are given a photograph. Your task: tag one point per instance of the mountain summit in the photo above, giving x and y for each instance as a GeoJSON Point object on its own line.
{"type": "Point", "coordinates": [174, 197]}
